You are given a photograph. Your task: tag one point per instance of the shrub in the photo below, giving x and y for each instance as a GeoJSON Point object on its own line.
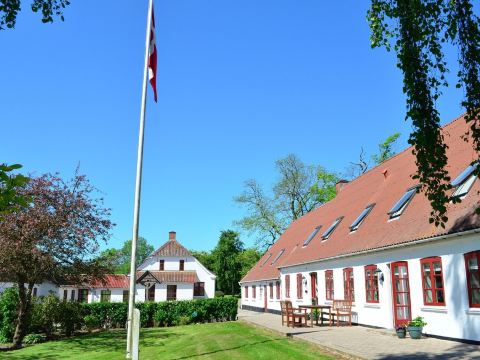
{"type": "Point", "coordinates": [34, 339]}
{"type": "Point", "coordinates": [183, 320]}
{"type": "Point", "coordinates": [91, 322]}
{"type": "Point", "coordinates": [8, 314]}
{"type": "Point", "coordinates": [219, 293]}
{"type": "Point", "coordinates": [45, 315]}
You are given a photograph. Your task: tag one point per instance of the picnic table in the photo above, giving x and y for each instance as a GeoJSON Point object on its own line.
{"type": "Point", "coordinates": [316, 307]}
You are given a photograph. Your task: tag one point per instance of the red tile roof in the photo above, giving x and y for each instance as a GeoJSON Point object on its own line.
{"type": "Point", "coordinates": [172, 248]}
{"type": "Point", "coordinates": [376, 231]}
{"type": "Point", "coordinates": [111, 282]}
{"type": "Point", "coordinates": [173, 276]}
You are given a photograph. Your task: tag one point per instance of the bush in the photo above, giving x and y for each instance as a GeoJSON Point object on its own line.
{"type": "Point", "coordinates": [219, 293]}
{"type": "Point", "coordinates": [8, 314]}
{"type": "Point", "coordinates": [33, 339]}
{"type": "Point", "coordinates": [45, 315]}
{"type": "Point", "coordinates": [91, 322]}
{"type": "Point", "coordinates": [183, 320]}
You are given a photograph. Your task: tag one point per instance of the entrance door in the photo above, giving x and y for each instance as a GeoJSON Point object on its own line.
{"type": "Point", "coordinates": [313, 284]}
{"type": "Point", "coordinates": [401, 293]}
{"type": "Point", "coordinates": [265, 298]}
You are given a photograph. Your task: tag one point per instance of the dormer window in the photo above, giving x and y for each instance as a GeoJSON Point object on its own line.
{"type": "Point", "coordinates": [464, 182]}
{"type": "Point", "coordinates": [359, 220]}
{"type": "Point", "coordinates": [278, 256]}
{"type": "Point", "coordinates": [182, 265]}
{"type": "Point", "coordinates": [402, 204]}
{"type": "Point", "coordinates": [332, 228]}
{"type": "Point", "coordinates": [312, 235]}
{"type": "Point", "coordinates": [268, 258]}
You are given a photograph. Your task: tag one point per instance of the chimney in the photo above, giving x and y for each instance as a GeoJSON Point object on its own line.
{"type": "Point", "coordinates": [340, 185]}
{"type": "Point", "coordinates": [172, 236]}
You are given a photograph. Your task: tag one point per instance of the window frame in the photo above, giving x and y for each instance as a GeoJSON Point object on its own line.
{"type": "Point", "coordinates": [278, 256]}
{"type": "Point", "coordinates": [125, 295]}
{"type": "Point", "coordinates": [361, 218]}
{"type": "Point", "coordinates": [329, 285]}
{"type": "Point", "coordinates": [245, 292]}
{"type": "Point", "coordinates": [430, 261]}
{"type": "Point", "coordinates": [472, 254]}
{"type": "Point", "coordinates": [396, 214]}
{"type": "Point", "coordinates": [287, 286]}
{"type": "Point", "coordinates": [65, 294]}
{"type": "Point", "coordinates": [299, 286]}
{"type": "Point", "coordinates": [348, 284]}
{"type": "Point", "coordinates": [271, 290]}
{"type": "Point", "coordinates": [326, 235]}
{"type": "Point", "coordinates": [161, 265]}
{"type": "Point", "coordinates": [277, 286]}
{"type": "Point", "coordinates": [169, 294]}
{"type": "Point", "coordinates": [199, 289]}
{"type": "Point", "coordinates": [266, 260]}
{"type": "Point", "coordinates": [312, 235]}
{"type": "Point", "coordinates": [105, 293]}
{"type": "Point", "coordinates": [463, 187]}
{"type": "Point", "coordinates": [81, 297]}
{"type": "Point", "coordinates": [72, 295]}
{"type": "Point", "coordinates": [371, 279]}
{"type": "Point", "coordinates": [181, 265]}
{"type": "Point", "coordinates": [254, 292]}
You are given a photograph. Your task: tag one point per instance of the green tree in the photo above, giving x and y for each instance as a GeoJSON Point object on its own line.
{"type": "Point", "coordinates": [385, 149]}
{"type": "Point", "coordinates": [119, 259]}
{"type": "Point", "coordinates": [419, 31]}
{"type": "Point", "coordinates": [299, 189]}
{"type": "Point", "coordinates": [206, 258]}
{"type": "Point", "coordinates": [248, 258]}
{"type": "Point", "coordinates": [9, 185]}
{"type": "Point", "coordinates": [227, 265]}
{"type": "Point", "coordinates": [9, 10]}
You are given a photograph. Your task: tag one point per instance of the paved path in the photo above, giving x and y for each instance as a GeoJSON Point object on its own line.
{"type": "Point", "coordinates": [365, 343]}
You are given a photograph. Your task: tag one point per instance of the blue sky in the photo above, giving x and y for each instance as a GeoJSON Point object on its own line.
{"type": "Point", "coordinates": [240, 84]}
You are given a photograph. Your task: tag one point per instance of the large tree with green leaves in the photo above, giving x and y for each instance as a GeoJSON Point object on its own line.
{"type": "Point", "coordinates": [299, 189]}
{"type": "Point", "coordinates": [419, 31]}
{"type": "Point", "coordinates": [10, 182]}
{"type": "Point", "coordinates": [49, 9]}
{"type": "Point", "coordinates": [119, 259]}
{"type": "Point", "coordinates": [227, 264]}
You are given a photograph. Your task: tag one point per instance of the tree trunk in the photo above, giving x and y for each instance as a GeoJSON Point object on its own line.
{"type": "Point", "coordinates": [24, 302]}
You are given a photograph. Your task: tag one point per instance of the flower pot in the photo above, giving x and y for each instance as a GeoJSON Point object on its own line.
{"type": "Point", "coordinates": [415, 332]}
{"type": "Point", "coordinates": [401, 333]}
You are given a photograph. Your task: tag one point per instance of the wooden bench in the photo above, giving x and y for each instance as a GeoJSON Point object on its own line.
{"type": "Point", "coordinates": [341, 309]}
{"type": "Point", "coordinates": [290, 315]}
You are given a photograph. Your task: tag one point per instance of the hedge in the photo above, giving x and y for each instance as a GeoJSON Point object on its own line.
{"type": "Point", "coordinates": [166, 313]}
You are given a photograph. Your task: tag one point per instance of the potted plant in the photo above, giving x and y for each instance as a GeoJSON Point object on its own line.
{"type": "Point", "coordinates": [415, 327]}
{"type": "Point", "coordinates": [401, 331]}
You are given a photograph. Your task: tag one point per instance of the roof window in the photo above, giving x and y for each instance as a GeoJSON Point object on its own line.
{"type": "Point", "coordinates": [332, 227]}
{"type": "Point", "coordinates": [359, 220]}
{"type": "Point", "coordinates": [312, 235]}
{"type": "Point", "coordinates": [401, 204]}
{"type": "Point", "coordinates": [268, 258]}
{"type": "Point", "coordinates": [464, 181]}
{"type": "Point", "coordinates": [278, 256]}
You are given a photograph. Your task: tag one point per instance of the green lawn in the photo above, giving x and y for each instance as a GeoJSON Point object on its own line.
{"type": "Point", "coordinates": [232, 340]}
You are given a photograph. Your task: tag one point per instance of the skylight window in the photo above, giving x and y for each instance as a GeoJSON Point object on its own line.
{"type": "Point", "coordinates": [401, 204]}
{"type": "Point", "coordinates": [464, 181]}
{"type": "Point", "coordinates": [268, 258]}
{"type": "Point", "coordinates": [312, 235]}
{"type": "Point", "coordinates": [278, 256]}
{"type": "Point", "coordinates": [332, 227]}
{"type": "Point", "coordinates": [359, 220]}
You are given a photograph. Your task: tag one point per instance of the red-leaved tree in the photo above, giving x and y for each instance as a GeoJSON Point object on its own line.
{"type": "Point", "coordinates": [54, 238]}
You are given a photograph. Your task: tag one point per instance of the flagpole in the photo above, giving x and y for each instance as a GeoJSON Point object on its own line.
{"type": "Point", "coordinates": [138, 188]}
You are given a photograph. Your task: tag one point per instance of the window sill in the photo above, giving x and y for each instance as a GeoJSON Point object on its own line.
{"type": "Point", "coordinates": [372, 306]}
{"type": "Point", "coordinates": [440, 309]}
{"type": "Point", "coordinates": [472, 311]}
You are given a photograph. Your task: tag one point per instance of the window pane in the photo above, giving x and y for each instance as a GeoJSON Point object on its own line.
{"type": "Point", "coordinates": [440, 297]}
{"type": "Point", "coordinates": [438, 282]}
{"type": "Point", "coordinates": [437, 268]}
{"type": "Point", "coordinates": [472, 263]}
{"type": "Point", "coordinates": [474, 280]}
{"type": "Point", "coordinates": [428, 296]}
{"type": "Point", "coordinates": [428, 282]}
{"type": "Point", "coordinates": [476, 296]}
{"type": "Point", "coordinates": [375, 295]}
{"type": "Point", "coordinates": [403, 313]}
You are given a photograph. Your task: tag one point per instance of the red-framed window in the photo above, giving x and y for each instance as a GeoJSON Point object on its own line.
{"type": "Point", "coordinates": [371, 283]}
{"type": "Point", "coordinates": [299, 286]}
{"type": "Point", "coordinates": [348, 284]}
{"type": "Point", "coordinates": [432, 281]}
{"type": "Point", "coordinates": [271, 290]}
{"type": "Point", "coordinates": [472, 268]}
{"type": "Point", "coordinates": [254, 291]}
{"type": "Point", "coordinates": [246, 292]}
{"type": "Point", "coordinates": [278, 289]}
{"type": "Point", "coordinates": [287, 286]}
{"type": "Point", "coordinates": [329, 284]}
{"type": "Point", "coordinates": [162, 265]}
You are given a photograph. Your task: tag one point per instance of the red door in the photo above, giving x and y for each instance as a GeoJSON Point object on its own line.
{"type": "Point", "coordinates": [313, 284]}
{"type": "Point", "coordinates": [265, 297]}
{"type": "Point", "coordinates": [401, 293]}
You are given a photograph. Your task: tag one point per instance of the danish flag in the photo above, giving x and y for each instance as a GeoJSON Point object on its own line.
{"type": "Point", "coordinates": [152, 58]}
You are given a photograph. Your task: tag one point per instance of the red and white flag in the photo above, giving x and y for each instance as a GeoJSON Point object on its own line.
{"type": "Point", "coordinates": [152, 58]}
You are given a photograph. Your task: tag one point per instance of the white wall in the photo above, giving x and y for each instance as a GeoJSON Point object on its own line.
{"type": "Point", "coordinates": [455, 319]}
{"type": "Point", "coordinates": [43, 289]}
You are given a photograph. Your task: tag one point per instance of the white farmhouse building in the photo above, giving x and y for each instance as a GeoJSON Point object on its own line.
{"type": "Point", "coordinates": [170, 273]}
{"type": "Point", "coordinates": [374, 244]}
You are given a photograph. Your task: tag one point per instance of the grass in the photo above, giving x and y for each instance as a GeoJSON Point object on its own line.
{"type": "Point", "coordinates": [231, 340]}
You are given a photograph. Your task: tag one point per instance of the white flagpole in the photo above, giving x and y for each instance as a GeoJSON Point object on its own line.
{"type": "Point", "coordinates": [138, 188]}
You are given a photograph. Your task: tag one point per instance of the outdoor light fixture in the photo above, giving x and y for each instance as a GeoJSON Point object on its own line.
{"type": "Point", "coordinates": [380, 275]}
